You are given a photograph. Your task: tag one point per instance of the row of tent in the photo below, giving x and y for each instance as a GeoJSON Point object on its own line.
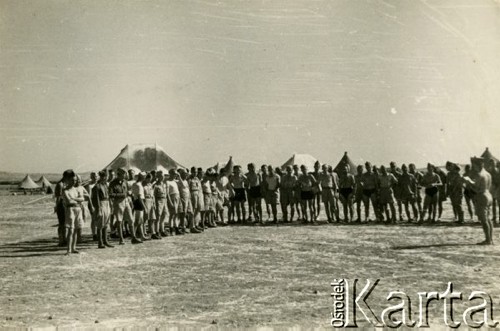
{"type": "Point", "coordinates": [42, 184]}
{"type": "Point", "coordinates": [147, 157]}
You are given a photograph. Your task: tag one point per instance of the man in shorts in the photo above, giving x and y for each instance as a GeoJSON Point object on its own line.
{"type": "Point", "coordinates": [93, 221]}
{"type": "Point", "coordinates": [327, 184]}
{"type": "Point", "coordinates": [222, 183]}
{"type": "Point", "coordinates": [173, 202]}
{"type": "Point", "coordinates": [358, 191]}
{"type": "Point", "coordinates": [480, 182]}
{"type": "Point", "coordinates": [396, 172]}
{"type": "Point", "coordinates": [196, 199]}
{"type": "Point", "coordinates": [102, 209]}
{"type": "Point", "coordinates": [386, 183]}
{"type": "Point", "coordinates": [119, 193]}
{"type": "Point", "coordinates": [238, 182]}
{"type": "Point", "coordinates": [297, 202]}
{"type": "Point", "coordinates": [370, 187]}
{"type": "Point", "coordinates": [273, 191]}
{"type": "Point", "coordinates": [317, 190]}
{"type": "Point", "coordinates": [306, 183]}
{"type": "Point", "coordinates": [347, 184]}
{"type": "Point", "coordinates": [287, 191]}
{"type": "Point", "coordinates": [59, 207]}
{"type": "Point", "coordinates": [254, 193]}
{"type": "Point", "coordinates": [161, 209]}
{"type": "Point", "coordinates": [418, 194]}
{"type": "Point", "coordinates": [455, 190]}
{"type": "Point", "coordinates": [408, 187]}
{"type": "Point", "coordinates": [431, 182]}
{"type": "Point", "coordinates": [149, 205]}
{"type": "Point", "coordinates": [263, 174]}
{"type": "Point", "coordinates": [73, 213]}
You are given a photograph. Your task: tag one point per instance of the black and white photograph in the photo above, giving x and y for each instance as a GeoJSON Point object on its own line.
{"type": "Point", "coordinates": [249, 164]}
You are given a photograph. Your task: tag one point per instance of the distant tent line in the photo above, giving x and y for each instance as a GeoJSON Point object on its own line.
{"type": "Point", "coordinates": [147, 157]}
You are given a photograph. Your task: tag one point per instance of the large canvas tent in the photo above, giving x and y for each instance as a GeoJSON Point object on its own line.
{"type": "Point", "coordinates": [44, 183]}
{"type": "Point", "coordinates": [143, 157]}
{"type": "Point", "coordinates": [228, 166]}
{"type": "Point", "coordinates": [301, 159]}
{"type": "Point", "coordinates": [488, 156]}
{"type": "Point", "coordinates": [343, 161]}
{"type": "Point", "coordinates": [28, 184]}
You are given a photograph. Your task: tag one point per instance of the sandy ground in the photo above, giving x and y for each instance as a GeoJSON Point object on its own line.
{"type": "Point", "coordinates": [240, 276]}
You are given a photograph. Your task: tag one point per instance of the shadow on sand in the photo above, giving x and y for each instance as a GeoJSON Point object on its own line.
{"type": "Point", "coordinates": [40, 247]}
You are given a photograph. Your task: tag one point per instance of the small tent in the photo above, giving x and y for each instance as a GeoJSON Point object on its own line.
{"type": "Point", "coordinates": [28, 184]}
{"type": "Point", "coordinates": [343, 161]}
{"type": "Point", "coordinates": [228, 166]}
{"type": "Point", "coordinates": [143, 157]}
{"type": "Point", "coordinates": [45, 184]}
{"type": "Point", "coordinates": [488, 156]}
{"type": "Point", "coordinates": [301, 159]}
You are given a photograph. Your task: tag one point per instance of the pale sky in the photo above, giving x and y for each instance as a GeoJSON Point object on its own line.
{"type": "Point", "coordinates": [409, 81]}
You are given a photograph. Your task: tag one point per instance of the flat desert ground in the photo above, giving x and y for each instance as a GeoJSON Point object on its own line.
{"type": "Point", "coordinates": [229, 277]}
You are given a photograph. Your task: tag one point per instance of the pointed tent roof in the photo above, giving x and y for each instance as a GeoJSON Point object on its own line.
{"type": "Point", "coordinates": [228, 166]}
{"type": "Point", "coordinates": [28, 183]}
{"type": "Point", "coordinates": [143, 157]}
{"type": "Point", "coordinates": [343, 161]}
{"type": "Point", "coordinates": [488, 156]}
{"type": "Point", "coordinates": [301, 159]}
{"type": "Point", "coordinates": [43, 182]}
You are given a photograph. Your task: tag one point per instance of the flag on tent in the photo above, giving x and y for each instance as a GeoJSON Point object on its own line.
{"type": "Point", "coordinates": [28, 184]}
{"type": "Point", "coordinates": [343, 161]}
{"type": "Point", "coordinates": [301, 159]}
{"type": "Point", "coordinates": [143, 157]}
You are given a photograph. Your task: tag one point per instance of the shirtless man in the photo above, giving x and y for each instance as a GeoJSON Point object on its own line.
{"type": "Point", "coordinates": [431, 182]}
{"type": "Point", "coordinates": [469, 193]}
{"type": "Point", "coordinates": [238, 182]}
{"type": "Point", "coordinates": [273, 182]}
{"type": "Point", "coordinates": [491, 168]}
{"type": "Point", "coordinates": [263, 174]}
{"type": "Point", "coordinates": [386, 183]}
{"type": "Point", "coordinates": [480, 181]}
{"type": "Point", "coordinates": [334, 206]}
{"type": "Point", "coordinates": [139, 205]}
{"type": "Point", "coordinates": [328, 183]}
{"type": "Point", "coordinates": [149, 205]}
{"type": "Point", "coordinates": [455, 190]}
{"type": "Point", "coordinates": [408, 187]}
{"type": "Point", "coordinates": [442, 191]}
{"type": "Point", "coordinates": [254, 193]}
{"type": "Point", "coordinates": [297, 202]}
{"type": "Point", "coordinates": [93, 221]}
{"type": "Point", "coordinates": [288, 184]}
{"type": "Point", "coordinates": [307, 182]}
{"type": "Point", "coordinates": [59, 207]}
{"type": "Point", "coordinates": [396, 172]}
{"type": "Point", "coordinates": [358, 191]}
{"type": "Point", "coordinates": [369, 182]}
{"type": "Point", "coordinates": [185, 207]}
{"type": "Point", "coordinates": [222, 183]}
{"type": "Point", "coordinates": [347, 183]}
{"type": "Point", "coordinates": [418, 194]}
{"type": "Point", "coordinates": [73, 216]}
{"type": "Point", "coordinates": [317, 190]}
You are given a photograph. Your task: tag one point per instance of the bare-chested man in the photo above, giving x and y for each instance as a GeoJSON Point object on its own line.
{"type": "Point", "coordinates": [431, 182]}
{"type": "Point", "coordinates": [254, 193]}
{"type": "Point", "coordinates": [480, 181]}
{"type": "Point", "coordinates": [358, 191]}
{"type": "Point", "coordinates": [386, 183]}
{"type": "Point", "coordinates": [408, 187]}
{"type": "Point", "coordinates": [370, 186]}
{"type": "Point", "coordinates": [307, 182]}
{"type": "Point", "coordinates": [328, 184]}
{"type": "Point", "coordinates": [418, 194]}
{"type": "Point", "coordinates": [317, 190]}
{"type": "Point", "coordinates": [347, 184]}
{"type": "Point", "coordinates": [288, 184]}
{"type": "Point", "coordinates": [455, 190]}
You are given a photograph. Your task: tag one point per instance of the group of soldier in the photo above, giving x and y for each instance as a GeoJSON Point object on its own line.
{"type": "Point", "coordinates": [153, 205]}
